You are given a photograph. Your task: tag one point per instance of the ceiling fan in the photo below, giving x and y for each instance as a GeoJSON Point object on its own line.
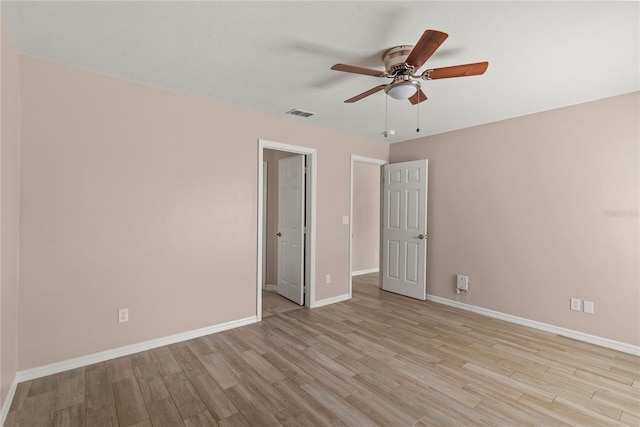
{"type": "Point", "coordinates": [401, 64]}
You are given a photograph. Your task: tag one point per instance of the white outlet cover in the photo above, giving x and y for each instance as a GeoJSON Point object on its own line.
{"type": "Point", "coordinates": [462, 282]}
{"type": "Point", "coordinates": [575, 304]}
{"type": "Point", "coordinates": [345, 220]}
{"type": "Point", "coordinates": [588, 307]}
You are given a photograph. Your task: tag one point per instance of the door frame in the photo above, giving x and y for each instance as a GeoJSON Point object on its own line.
{"type": "Point", "coordinates": [310, 236]}
{"type": "Point", "coordinates": [264, 222]}
{"type": "Point", "coordinates": [371, 161]}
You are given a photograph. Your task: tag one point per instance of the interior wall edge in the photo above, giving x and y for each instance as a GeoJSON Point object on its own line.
{"type": "Point", "coordinates": [6, 404]}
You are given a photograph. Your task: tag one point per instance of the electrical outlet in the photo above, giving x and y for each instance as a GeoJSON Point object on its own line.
{"type": "Point", "coordinates": [588, 307]}
{"type": "Point", "coordinates": [123, 315]}
{"type": "Point", "coordinates": [328, 278]}
{"type": "Point", "coordinates": [462, 283]}
{"type": "Point", "coordinates": [575, 304]}
{"type": "Point", "coordinates": [345, 220]}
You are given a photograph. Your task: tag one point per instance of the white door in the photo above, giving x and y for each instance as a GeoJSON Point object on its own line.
{"type": "Point", "coordinates": [291, 202]}
{"type": "Point", "coordinates": [404, 229]}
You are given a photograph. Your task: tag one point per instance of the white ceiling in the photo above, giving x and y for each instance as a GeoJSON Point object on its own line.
{"type": "Point", "coordinates": [275, 56]}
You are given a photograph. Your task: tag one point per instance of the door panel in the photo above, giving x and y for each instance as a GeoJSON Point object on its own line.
{"type": "Point", "coordinates": [404, 228]}
{"type": "Point", "coordinates": [291, 203]}
{"type": "Point", "coordinates": [393, 259]}
{"type": "Point", "coordinates": [394, 209]}
{"type": "Point", "coordinates": [412, 263]}
{"type": "Point", "coordinates": [413, 211]}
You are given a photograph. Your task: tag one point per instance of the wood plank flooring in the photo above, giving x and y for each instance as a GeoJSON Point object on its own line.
{"type": "Point", "coordinates": [379, 359]}
{"type": "Point", "coordinates": [273, 303]}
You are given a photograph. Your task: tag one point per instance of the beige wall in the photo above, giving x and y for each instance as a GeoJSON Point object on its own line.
{"type": "Point", "coordinates": [272, 157]}
{"type": "Point", "coordinates": [9, 207]}
{"type": "Point", "coordinates": [539, 209]}
{"type": "Point", "coordinates": [146, 199]}
{"type": "Point", "coordinates": [366, 216]}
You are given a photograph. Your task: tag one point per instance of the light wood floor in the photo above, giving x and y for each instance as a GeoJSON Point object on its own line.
{"type": "Point", "coordinates": [273, 303]}
{"type": "Point", "coordinates": [377, 359]}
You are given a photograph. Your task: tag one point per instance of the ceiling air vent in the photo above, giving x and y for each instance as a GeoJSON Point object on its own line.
{"type": "Point", "coordinates": [300, 113]}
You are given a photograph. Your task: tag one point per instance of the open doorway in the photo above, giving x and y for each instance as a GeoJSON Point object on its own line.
{"type": "Point", "coordinates": [273, 236]}
{"type": "Point", "coordinates": [281, 293]}
{"type": "Point", "coordinates": [365, 196]}
{"type": "Point", "coordinates": [402, 233]}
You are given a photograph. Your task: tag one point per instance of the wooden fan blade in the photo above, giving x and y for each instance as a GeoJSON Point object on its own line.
{"type": "Point", "coordinates": [358, 70]}
{"type": "Point", "coordinates": [426, 46]}
{"type": "Point", "coordinates": [365, 94]}
{"type": "Point", "coordinates": [457, 71]}
{"type": "Point", "coordinates": [418, 97]}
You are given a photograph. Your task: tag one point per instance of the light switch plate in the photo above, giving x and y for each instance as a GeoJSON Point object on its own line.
{"type": "Point", "coordinates": [588, 307]}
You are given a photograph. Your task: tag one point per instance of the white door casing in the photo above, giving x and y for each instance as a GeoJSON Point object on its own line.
{"type": "Point", "coordinates": [264, 222]}
{"type": "Point", "coordinates": [404, 228]}
{"type": "Point", "coordinates": [291, 214]}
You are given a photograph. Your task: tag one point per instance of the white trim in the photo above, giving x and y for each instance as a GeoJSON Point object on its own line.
{"type": "Point", "coordinates": [6, 405]}
{"type": "Point", "coordinates": [581, 336]}
{"type": "Point", "coordinates": [76, 362]}
{"type": "Point", "coordinates": [332, 300]}
{"type": "Point", "coordinates": [260, 231]}
{"type": "Point", "coordinates": [371, 161]}
{"type": "Point", "coordinates": [310, 297]}
{"type": "Point", "coordinates": [265, 175]}
{"type": "Point", "coordinates": [273, 288]}
{"type": "Point", "coordinates": [367, 271]}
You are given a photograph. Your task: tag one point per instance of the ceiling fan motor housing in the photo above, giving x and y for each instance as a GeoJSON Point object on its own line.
{"type": "Point", "coordinates": [394, 60]}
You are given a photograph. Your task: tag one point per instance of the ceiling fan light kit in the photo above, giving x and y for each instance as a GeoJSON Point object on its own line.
{"type": "Point", "coordinates": [402, 89]}
{"type": "Point", "coordinates": [403, 62]}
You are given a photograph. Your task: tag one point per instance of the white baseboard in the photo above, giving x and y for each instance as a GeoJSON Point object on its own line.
{"type": "Point", "coordinates": [77, 362]}
{"type": "Point", "coordinates": [269, 287]}
{"type": "Point", "coordinates": [367, 271]}
{"type": "Point", "coordinates": [7, 400]}
{"type": "Point", "coordinates": [331, 300]}
{"type": "Point", "coordinates": [581, 336]}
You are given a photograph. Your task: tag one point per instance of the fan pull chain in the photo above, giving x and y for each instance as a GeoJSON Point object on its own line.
{"type": "Point", "coordinates": [386, 116]}
{"type": "Point", "coordinates": [418, 124]}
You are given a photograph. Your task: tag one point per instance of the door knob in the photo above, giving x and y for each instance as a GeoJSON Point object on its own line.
{"type": "Point", "coordinates": [278, 234]}
{"type": "Point", "coordinates": [421, 236]}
